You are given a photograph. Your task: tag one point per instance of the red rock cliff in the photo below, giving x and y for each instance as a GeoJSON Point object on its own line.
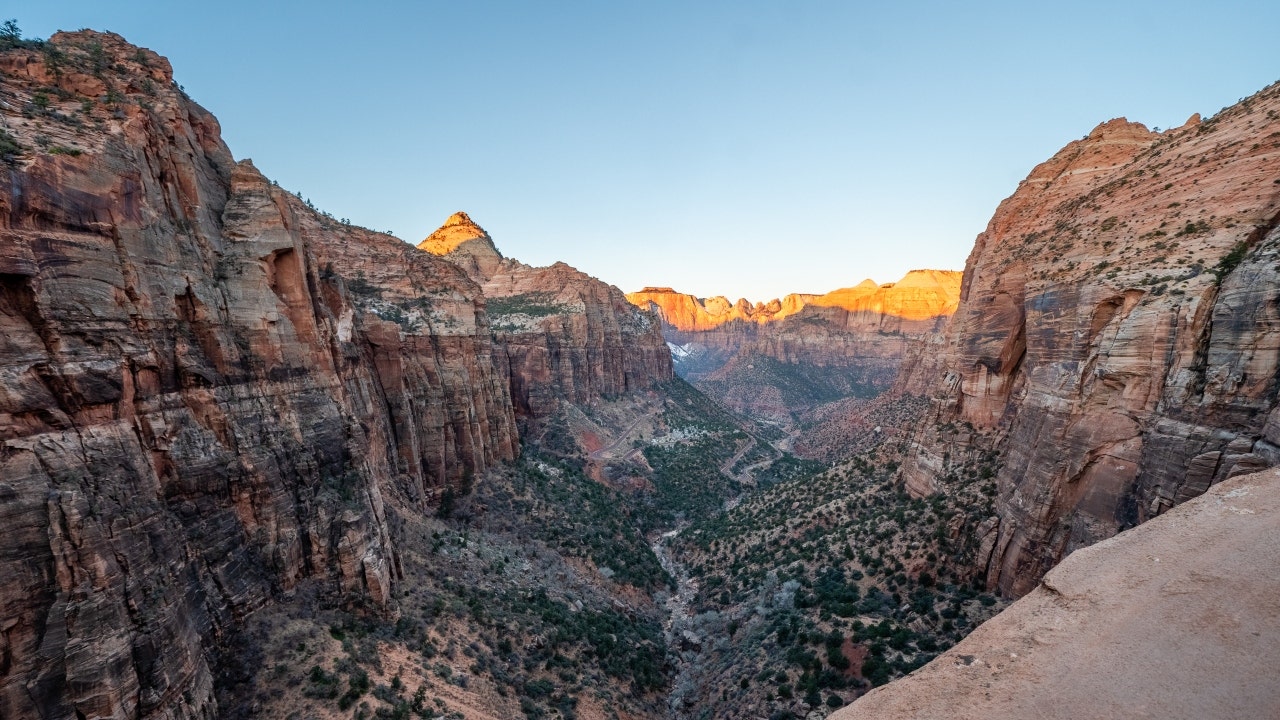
{"type": "Point", "coordinates": [920, 295]}
{"type": "Point", "coordinates": [687, 313]}
{"type": "Point", "coordinates": [866, 320]}
{"type": "Point", "coordinates": [562, 334]}
{"type": "Point", "coordinates": [210, 392]}
{"type": "Point", "coordinates": [826, 329]}
{"type": "Point", "coordinates": [1118, 339]}
{"type": "Point", "coordinates": [848, 341]}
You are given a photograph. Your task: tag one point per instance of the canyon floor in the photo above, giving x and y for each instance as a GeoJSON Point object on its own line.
{"type": "Point", "coordinates": [645, 558]}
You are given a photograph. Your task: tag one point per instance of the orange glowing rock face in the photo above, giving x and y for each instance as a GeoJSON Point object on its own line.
{"type": "Point", "coordinates": [919, 295]}
{"type": "Point", "coordinates": [458, 229]}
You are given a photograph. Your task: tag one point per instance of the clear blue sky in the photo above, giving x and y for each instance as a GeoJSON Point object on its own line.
{"type": "Point", "coordinates": [738, 148]}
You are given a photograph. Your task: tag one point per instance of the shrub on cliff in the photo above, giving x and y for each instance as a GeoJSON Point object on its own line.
{"type": "Point", "coordinates": [11, 37]}
{"type": "Point", "coordinates": [1230, 261]}
{"type": "Point", "coordinates": [9, 147]}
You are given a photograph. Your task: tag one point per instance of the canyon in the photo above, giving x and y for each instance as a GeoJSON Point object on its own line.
{"type": "Point", "coordinates": [256, 461]}
{"type": "Point", "coordinates": [1112, 355]}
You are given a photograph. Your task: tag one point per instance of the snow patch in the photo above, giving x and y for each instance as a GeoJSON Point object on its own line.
{"type": "Point", "coordinates": [679, 352]}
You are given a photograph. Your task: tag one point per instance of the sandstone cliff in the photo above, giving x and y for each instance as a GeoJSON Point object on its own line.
{"type": "Point", "coordinates": [919, 295]}
{"type": "Point", "coordinates": [864, 321]}
{"type": "Point", "coordinates": [210, 392]}
{"type": "Point", "coordinates": [687, 313]}
{"type": "Point", "coordinates": [1116, 338]}
{"type": "Point", "coordinates": [777, 359]}
{"type": "Point", "coordinates": [562, 335]}
{"type": "Point", "coordinates": [805, 326]}
{"type": "Point", "coordinates": [1177, 618]}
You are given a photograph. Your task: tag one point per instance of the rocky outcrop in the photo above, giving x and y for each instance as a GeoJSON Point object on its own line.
{"type": "Point", "coordinates": [466, 245]}
{"type": "Point", "coordinates": [864, 321]}
{"type": "Point", "coordinates": [686, 313]}
{"type": "Point", "coordinates": [561, 334]}
{"type": "Point", "coordinates": [210, 391]}
{"type": "Point", "coordinates": [786, 356]}
{"type": "Point", "coordinates": [921, 295]}
{"type": "Point", "coordinates": [1116, 339]}
{"type": "Point", "coordinates": [1177, 618]}
{"type": "Point", "coordinates": [822, 329]}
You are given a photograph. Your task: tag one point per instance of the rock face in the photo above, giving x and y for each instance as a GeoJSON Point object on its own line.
{"type": "Point", "coordinates": [864, 321]}
{"type": "Point", "coordinates": [561, 334]}
{"type": "Point", "coordinates": [687, 313]}
{"type": "Point", "coordinates": [921, 295]}
{"type": "Point", "coordinates": [210, 391]}
{"type": "Point", "coordinates": [786, 356]}
{"type": "Point", "coordinates": [1177, 618]}
{"type": "Point", "coordinates": [1118, 338]}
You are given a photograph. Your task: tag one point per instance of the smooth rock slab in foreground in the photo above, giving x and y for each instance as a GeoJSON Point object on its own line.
{"type": "Point", "coordinates": [1176, 618]}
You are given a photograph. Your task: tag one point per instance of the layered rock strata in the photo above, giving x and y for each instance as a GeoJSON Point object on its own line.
{"type": "Point", "coordinates": [867, 320]}
{"type": "Point", "coordinates": [849, 342]}
{"type": "Point", "coordinates": [1118, 338]}
{"type": "Point", "coordinates": [210, 392]}
{"type": "Point", "coordinates": [921, 295]}
{"type": "Point", "coordinates": [562, 335]}
{"type": "Point", "coordinates": [1177, 618]}
{"type": "Point", "coordinates": [686, 313]}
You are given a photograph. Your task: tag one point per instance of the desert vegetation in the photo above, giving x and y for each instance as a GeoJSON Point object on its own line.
{"type": "Point", "coordinates": [816, 589]}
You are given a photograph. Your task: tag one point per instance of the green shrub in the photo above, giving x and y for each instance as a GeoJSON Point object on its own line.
{"type": "Point", "coordinates": [534, 304]}
{"type": "Point", "coordinates": [1230, 261]}
{"type": "Point", "coordinates": [9, 147]}
{"type": "Point", "coordinates": [539, 688]}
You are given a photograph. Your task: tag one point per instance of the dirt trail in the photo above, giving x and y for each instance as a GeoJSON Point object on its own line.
{"type": "Point", "coordinates": [597, 454]}
{"type": "Point", "coordinates": [727, 468]}
{"type": "Point", "coordinates": [747, 476]}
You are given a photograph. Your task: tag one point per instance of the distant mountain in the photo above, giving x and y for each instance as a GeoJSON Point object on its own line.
{"type": "Point", "coordinates": [782, 359]}
{"type": "Point", "coordinates": [919, 295]}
